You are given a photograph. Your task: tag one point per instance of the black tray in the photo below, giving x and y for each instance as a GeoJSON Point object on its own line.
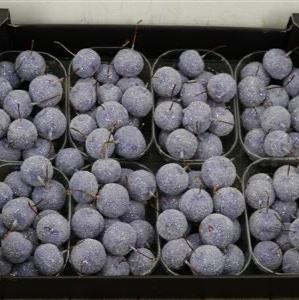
{"type": "Point", "coordinates": [152, 41]}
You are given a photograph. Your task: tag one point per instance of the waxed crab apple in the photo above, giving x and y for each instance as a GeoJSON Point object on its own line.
{"type": "Point", "coordinates": [86, 63]}
{"type": "Point", "coordinates": [172, 179]}
{"type": "Point", "coordinates": [50, 123]}
{"type": "Point", "coordinates": [119, 238]}
{"type": "Point", "coordinates": [48, 259]}
{"type": "Point", "coordinates": [145, 233]}
{"type": "Point", "coordinates": [30, 64]}
{"type": "Point", "coordinates": [108, 92]}
{"type": "Point", "coordinates": [251, 117]}
{"type": "Point", "coordinates": [286, 210]}
{"type": "Point", "coordinates": [252, 91]}
{"type": "Point", "coordinates": [222, 121]}
{"type": "Point", "coordinates": [15, 248]}
{"type": "Point", "coordinates": [171, 224]}
{"type": "Point", "coordinates": [112, 115]}
{"type": "Point", "coordinates": [209, 145]}
{"type": "Point", "coordinates": [115, 266]}
{"type": "Point", "coordinates": [197, 117]}
{"type": "Point", "coordinates": [87, 223]}
{"type": "Point", "coordinates": [83, 186]}
{"type": "Point", "coordinates": [255, 68]}
{"type": "Point", "coordinates": [181, 144]}
{"type": "Point", "coordinates": [141, 185]}
{"type": "Point", "coordinates": [18, 213]}
{"type": "Point", "coordinates": [275, 118]}
{"type": "Point", "coordinates": [5, 88]}
{"type": "Point", "coordinates": [141, 261]}
{"type": "Point", "coordinates": [25, 269]}
{"type": "Point", "coordinates": [167, 82]}
{"type": "Point", "coordinates": [69, 160]}
{"type": "Point", "coordinates": [18, 186]}
{"type": "Point", "coordinates": [222, 88]}
{"type": "Point", "coordinates": [51, 196]}
{"type": "Point", "coordinates": [207, 260]}
{"type": "Point", "coordinates": [277, 63]}
{"type": "Point", "coordinates": [81, 126]}
{"type": "Point", "coordinates": [113, 200]}
{"type": "Point", "coordinates": [41, 147]}
{"type": "Point", "coordinates": [128, 62]}
{"type": "Point", "coordinates": [18, 104]}
{"type": "Point", "coordinates": [259, 193]}
{"type": "Point", "coordinates": [107, 74]}
{"type": "Point", "coordinates": [230, 202]}
{"type": "Point", "coordinates": [7, 152]}
{"type": "Point", "coordinates": [127, 82]}
{"type": "Point", "coordinates": [46, 90]}
{"type": "Point", "coordinates": [4, 122]}
{"type": "Point", "coordinates": [216, 229]}
{"type": "Point", "coordinates": [100, 143]}
{"type": "Point", "coordinates": [218, 172]}
{"type": "Point", "coordinates": [83, 95]}
{"type": "Point", "coordinates": [286, 184]}
{"type": "Point", "coordinates": [36, 170]}
{"type": "Point", "coordinates": [268, 254]}
{"type": "Point", "coordinates": [291, 83]}
{"type": "Point", "coordinates": [5, 265]}
{"type": "Point", "coordinates": [6, 194]}
{"type": "Point", "coordinates": [8, 72]}
{"type": "Point", "coordinates": [53, 229]}
{"type": "Point", "coordinates": [130, 142]}
{"type": "Point", "coordinates": [196, 204]}
{"type": "Point", "coordinates": [175, 253]}
{"type": "Point", "coordinates": [88, 256]}
{"type": "Point", "coordinates": [136, 211]}
{"type": "Point", "coordinates": [254, 141]}
{"type": "Point", "coordinates": [265, 224]}
{"type": "Point", "coordinates": [277, 143]}
{"type": "Point", "coordinates": [234, 260]}
{"type": "Point", "coordinates": [192, 92]}
{"type": "Point", "coordinates": [276, 95]}
{"type": "Point", "coordinates": [293, 104]}
{"type": "Point", "coordinates": [168, 115]}
{"type": "Point", "coordinates": [21, 134]}
{"type": "Point", "coordinates": [191, 63]}
{"type": "Point", "coordinates": [138, 101]}
{"type": "Point", "coordinates": [106, 170]}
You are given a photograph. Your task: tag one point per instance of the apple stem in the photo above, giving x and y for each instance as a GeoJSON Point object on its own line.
{"type": "Point", "coordinates": [213, 49]}
{"type": "Point", "coordinates": [64, 47]}
{"type": "Point", "coordinates": [135, 34]}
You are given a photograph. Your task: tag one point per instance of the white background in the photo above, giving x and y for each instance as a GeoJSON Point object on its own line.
{"type": "Point", "coordinates": [229, 13]}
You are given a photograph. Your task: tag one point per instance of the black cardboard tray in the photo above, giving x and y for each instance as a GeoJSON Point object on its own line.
{"type": "Point", "coordinates": [152, 41]}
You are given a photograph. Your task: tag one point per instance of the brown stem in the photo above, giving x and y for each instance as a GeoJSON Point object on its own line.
{"type": "Point", "coordinates": [139, 252]}
{"type": "Point", "coordinates": [135, 34]}
{"type": "Point", "coordinates": [64, 47]}
{"type": "Point", "coordinates": [213, 49]}
{"type": "Point", "coordinates": [257, 71]}
{"type": "Point", "coordinates": [291, 51]}
{"type": "Point", "coordinates": [31, 46]}
{"type": "Point", "coordinates": [290, 80]}
{"type": "Point", "coordinates": [77, 130]}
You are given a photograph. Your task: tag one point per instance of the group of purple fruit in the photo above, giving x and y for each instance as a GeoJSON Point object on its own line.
{"type": "Point", "coordinates": [274, 223]}
{"type": "Point", "coordinates": [199, 219]}
{"type": "Point", "coordinates": [269, 94]}
{"type": "Point", "coordinates": [200, 210]}
{"type": "Point", "coordinates": [108, 228]}
{"type": "Point", "coordinates": [191, 108]}
{"type": "Point", "coordinates": [110, 101]}
{"type": "Point", "coordinates": [30, 120]}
